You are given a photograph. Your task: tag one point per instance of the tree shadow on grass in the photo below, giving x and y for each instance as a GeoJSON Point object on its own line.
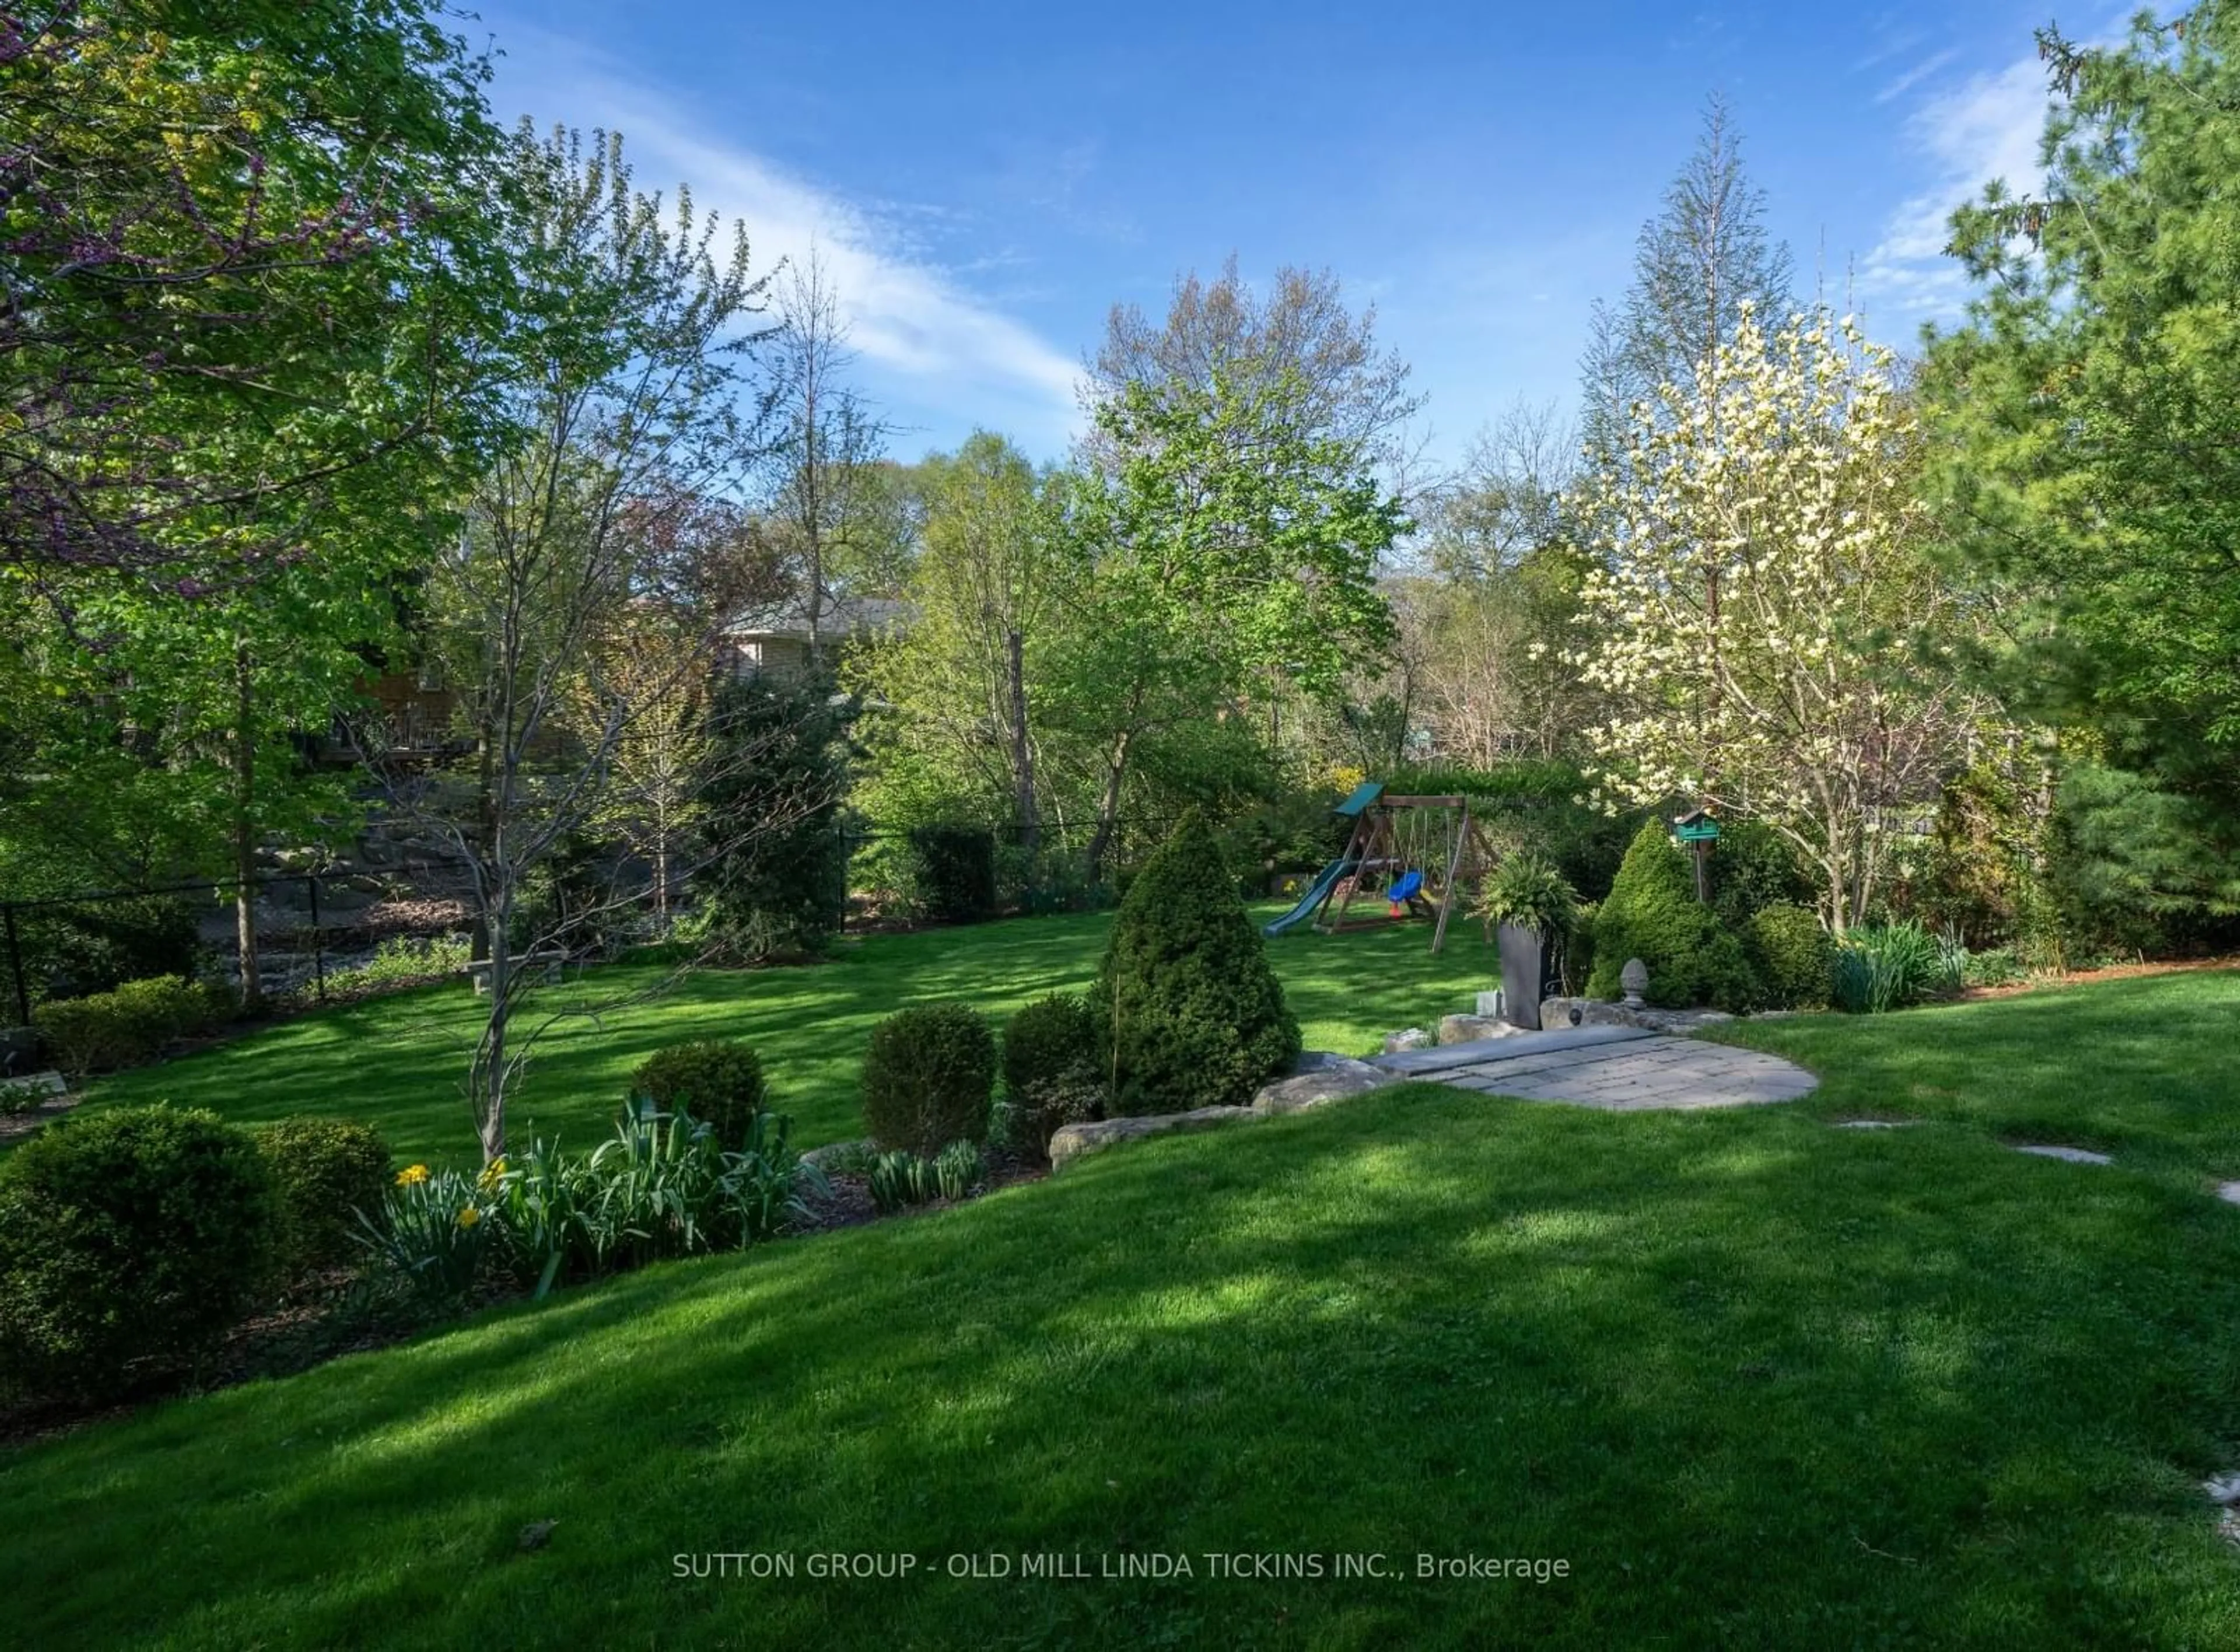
{"type": "Point", "coordinates": [1754, 1379]}
{"type": "Point", "coordinates": [2141, 1069]}
{"type": "Point", "coordinates": [398, 1061]}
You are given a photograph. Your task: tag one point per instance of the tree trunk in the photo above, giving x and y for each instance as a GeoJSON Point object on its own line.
{"type": "Point", "coordinates": [1108, 809]}
{"type": "Point", "coordinates": [485, 831]}
{"type": "Point", "coordinates": [1022, 757]}
{"type": "Point", "coordinates": [245, 829]}
{"type": "Point", "coordinates": [489, 1076]}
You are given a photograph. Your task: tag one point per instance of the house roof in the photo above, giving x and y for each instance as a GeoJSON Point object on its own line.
{"type": "Point", "coordinates": [846, 615]}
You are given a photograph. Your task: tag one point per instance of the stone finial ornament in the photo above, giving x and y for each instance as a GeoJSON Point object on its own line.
{"type": "Point", "coordinates": [1634, 979]}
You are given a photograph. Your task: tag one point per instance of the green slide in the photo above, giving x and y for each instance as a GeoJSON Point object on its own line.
{"type": "Point", "coordinates": [1313, 898]}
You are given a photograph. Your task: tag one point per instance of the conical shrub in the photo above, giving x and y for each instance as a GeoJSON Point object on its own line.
{"type": "Point", "coordinates": [1652, 914]}
{"type": "Point", "coordinates": [1188, 1013]}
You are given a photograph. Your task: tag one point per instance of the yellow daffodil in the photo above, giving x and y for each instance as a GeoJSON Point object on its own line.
{"type": "Point", "coordinates": [469, 1216]}
{"type": "Point", "coordinates": [412, 1175]}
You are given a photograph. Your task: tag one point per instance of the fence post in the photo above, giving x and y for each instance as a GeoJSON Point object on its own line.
{"type": "Point", "coordinates": [319, 941]}
{"type": "Point", "coordinates": [15, 967]}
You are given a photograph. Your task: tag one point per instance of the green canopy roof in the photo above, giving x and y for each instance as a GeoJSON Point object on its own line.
{"type": "Point", "coordinates": [1364, 795]}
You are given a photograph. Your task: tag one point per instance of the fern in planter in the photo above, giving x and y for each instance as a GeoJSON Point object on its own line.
{"type": "Point", "coordinates": [1526, 891]}
{"type": "Point", "coordinates": [1537, 909]}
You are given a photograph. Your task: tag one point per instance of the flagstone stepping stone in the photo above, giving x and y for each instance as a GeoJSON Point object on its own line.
{"type": "Point", "coordinates": [1877, 1124]}
{"type": "Point", "coordinates": [1620, 1069]}
{"type": "Point", "coordinates": [2072, 1155]}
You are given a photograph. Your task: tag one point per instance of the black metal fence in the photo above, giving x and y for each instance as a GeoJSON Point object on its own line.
{"type": "Point", "coordinates": [302, 923]}
{"type": "Point", "coordinates": [306, 925]}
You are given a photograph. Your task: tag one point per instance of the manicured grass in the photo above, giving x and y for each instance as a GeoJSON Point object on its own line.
{"type": "Point", "coordinates": [1759, 1381]}
{"type": "Point", "coordinates": [398, 1061]}
{"type": "Point", "coordinates": [2147, 1069]}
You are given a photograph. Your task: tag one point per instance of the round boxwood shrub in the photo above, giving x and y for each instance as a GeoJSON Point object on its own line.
{"type": "Point", "coordinates": [1188, 1012]}
{"type": "Point", "coordinates": [1652, 914]}
{"type": "Point", "coordinates": [717, 1082]}
{"type": "Point", "coordinates": [130, 1241]}
{"type": "Point", "coordinates": [1050, 1067]}
{"type": "Point", "coordinates": [928, 1079]}
{"type": "Point", "coordinates": [324, 1172]}
{"type": "Point", "coordinates": [1795, 955]}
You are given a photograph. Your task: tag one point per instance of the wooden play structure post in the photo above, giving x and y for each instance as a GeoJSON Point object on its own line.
{"type": "Point", "coordinates": [1398, 846]}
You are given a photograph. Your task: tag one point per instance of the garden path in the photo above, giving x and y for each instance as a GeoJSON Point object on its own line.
{"type": "Point", "coordinates": [1620, 1069]}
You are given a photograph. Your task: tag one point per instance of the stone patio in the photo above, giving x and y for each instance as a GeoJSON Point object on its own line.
{"type": "Point", "coordinates": [1620, 1069]}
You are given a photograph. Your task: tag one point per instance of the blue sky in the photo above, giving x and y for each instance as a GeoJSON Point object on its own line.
{"type": "Point", "coordinates": [985, 182]}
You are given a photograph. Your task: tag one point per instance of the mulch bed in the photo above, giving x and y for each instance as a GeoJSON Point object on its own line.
{"type": "Point", "coordinates": [13, 1125]}
{"type": "Point", "coordinates": [317, 1318]}
{"type": "Point", "coordinates": [328, 1314]}
{"type": "Point", "coordinates": [851, 1206]}
{"type": "Point", "coordinates": [2109, 972]}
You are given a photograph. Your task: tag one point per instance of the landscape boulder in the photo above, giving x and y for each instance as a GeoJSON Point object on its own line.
{"type": "Point", "coordinates": [1322, 1078]}
{"type": "Point", "coordinates": [1408, 1038]}
{"type": "Point", "coordinates": [1557, 1014]}
{"type": "Point", "coordinates": [1467, 1029]}
{"type": "Point", "coordinates": [1074, 1140]}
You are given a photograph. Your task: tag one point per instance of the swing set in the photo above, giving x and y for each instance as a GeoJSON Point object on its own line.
{"type": "Point", "coordinates": [1416, 853]}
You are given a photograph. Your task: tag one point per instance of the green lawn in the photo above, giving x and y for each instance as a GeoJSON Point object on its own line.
{"type": "Point", "coordinates": [399, 1061]}
{"type": "Point", "coordinates": [2147, 1069]}
{"type": "Point", "coordinates": [1759, 1381]}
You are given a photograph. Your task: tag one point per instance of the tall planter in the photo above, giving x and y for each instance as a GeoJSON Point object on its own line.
{"type": "Point", "coordinates": [1523, 974]}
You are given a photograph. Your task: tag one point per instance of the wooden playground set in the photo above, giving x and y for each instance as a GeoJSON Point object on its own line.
{"type": "Point", "coordinates": [1416, 854]}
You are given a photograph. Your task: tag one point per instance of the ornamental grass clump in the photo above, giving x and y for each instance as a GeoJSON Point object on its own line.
{"type": "Point", "coordinates": [1889, 966]}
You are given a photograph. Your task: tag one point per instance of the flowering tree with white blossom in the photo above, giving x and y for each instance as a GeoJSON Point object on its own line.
{"type": "Point", "coordinates": [1767, 621]}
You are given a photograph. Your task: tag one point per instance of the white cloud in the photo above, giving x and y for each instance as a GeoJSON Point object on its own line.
{"type": "Point", "coordinates": [905, 314]}
{"type": "Point", "coordinates": [911, 319]}
{"type": "Point", "coordinates": [1913, 76]}
{"type": "Point", "coordinates": [1986, 128]}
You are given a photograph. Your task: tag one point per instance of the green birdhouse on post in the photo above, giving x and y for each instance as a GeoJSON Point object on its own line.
{"type": "Point", "coordinates": [1698, 831]}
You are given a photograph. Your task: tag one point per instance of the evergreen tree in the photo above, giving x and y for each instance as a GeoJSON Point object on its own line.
{"type": "Point", "coordinates": [2089, 412]}
{"type": "Point", "coordinates": [774, 875]}
{"type": "Point", "coordinates": [1188, 1013]}
{"type": "Point", "coordinates": [1694, 267]}
{"type": "Point", "coordinates": [1653, 915]}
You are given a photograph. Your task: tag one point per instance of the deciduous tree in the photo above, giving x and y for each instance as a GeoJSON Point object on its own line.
{"type": "Point", "coordinates": [623, 377]}
{"type": "Point", "coordinates": [1230, 553]}
{"type": "Point", "coordinates": [235, 255]}
{"type": "Point", "coordinates": [1786, 480]}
